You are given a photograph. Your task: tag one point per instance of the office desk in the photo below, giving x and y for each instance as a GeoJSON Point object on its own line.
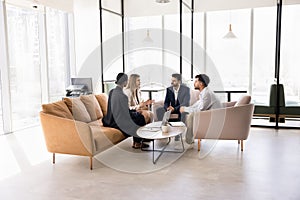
{"type": "Point", "coordinates": [229, 93]}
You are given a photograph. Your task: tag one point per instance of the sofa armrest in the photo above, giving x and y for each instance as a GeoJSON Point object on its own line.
{"type": "Point", "coordinates": [67, 136]}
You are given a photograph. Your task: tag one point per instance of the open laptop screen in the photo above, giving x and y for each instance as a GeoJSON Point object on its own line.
{"type": "Point", "coordinates": [166, 118]}
{"type": "Point", "coordinates": [160, 123]}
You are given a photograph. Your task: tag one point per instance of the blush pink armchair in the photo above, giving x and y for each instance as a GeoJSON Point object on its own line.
{"type": "Point", "coordinates": [229, 123]}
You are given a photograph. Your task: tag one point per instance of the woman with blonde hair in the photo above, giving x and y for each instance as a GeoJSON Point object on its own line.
{"type": "Point", "coordinates": [135, 102]}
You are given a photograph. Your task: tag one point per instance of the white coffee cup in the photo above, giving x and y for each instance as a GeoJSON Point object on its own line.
{"type": "Point", "coordinates": [165, 128]}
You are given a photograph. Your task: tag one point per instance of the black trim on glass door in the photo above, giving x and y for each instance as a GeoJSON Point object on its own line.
{"type": "Point", "coordinates": [101, 46]}
{"type": "Point", "coordinates": [277, 57]}
{"type": "Point", "coordinates": [123, 35]}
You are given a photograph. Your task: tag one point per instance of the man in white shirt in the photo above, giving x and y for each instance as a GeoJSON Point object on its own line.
{"type": "Point", "coordinates": [207, 100]}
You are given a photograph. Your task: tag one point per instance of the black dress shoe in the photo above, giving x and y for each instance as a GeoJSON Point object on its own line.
{"type": "Point", "coordinates": [144, 145]}
{"type": "Point", "coordinates": [137, 145]}
{"type": "Point", "coordinates": [147, 140]}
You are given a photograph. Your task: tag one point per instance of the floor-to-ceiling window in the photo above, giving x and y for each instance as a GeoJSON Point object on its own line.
{"type": "Point", "coordinates": [111, 33]}
{"type": "Point", "coordinates": [58, 53]}
{"type": "Point", "coordinates": [264, 42]}
{"type": "Point", "coordinates": [171, 27]}
{"type": "Point", "coordinates": [244, 63]}
{"type": "Point", "coordinates": [263, 72]}
{"type": "Point", "coordinates": [1, 117]}
{"type": "Point", "coordinates": [143, 44]}
{"type": "Point", "coordinates": [290, 59]}
{"type": "Point", "coordinates": [38, 62]}
{"type": "Point", "coordinates": [144, 57]}
{"type": "Point", "coordinates": [229, 55]}
{"type": "Point", "coordinates": [2, 47]}
{"type": "Point", "coordinates": [24, 65]}
{"type": "Point", "coordinates": [290, 63]}
{"type": "Point", "coordinates": [186, 42]}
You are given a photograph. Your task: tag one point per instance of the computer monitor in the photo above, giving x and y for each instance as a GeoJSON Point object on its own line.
{"type": "Point", "coordinates": [87, 82]}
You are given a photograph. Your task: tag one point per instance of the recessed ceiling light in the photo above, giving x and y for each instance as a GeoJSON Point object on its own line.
{"type": "Point", "coordinates": [162, 1]}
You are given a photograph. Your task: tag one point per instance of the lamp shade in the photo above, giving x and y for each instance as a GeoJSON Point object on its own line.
{"type": "Point", "coordinates": [148, 39]}
{"type": "Point", "coordinates": [230, 34]}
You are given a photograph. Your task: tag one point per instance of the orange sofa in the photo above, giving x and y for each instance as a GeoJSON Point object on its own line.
{"type": "Point", "coordinates": [74, 126]}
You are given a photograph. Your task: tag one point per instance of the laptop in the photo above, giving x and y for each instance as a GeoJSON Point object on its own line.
{"type": "Point", "coordinates": [158, 124]}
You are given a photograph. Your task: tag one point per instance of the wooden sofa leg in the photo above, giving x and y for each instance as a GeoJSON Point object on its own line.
{"type": "Point", "coordinates": [242, 146]}
{"type": "Point", "coordinates": [53, 158]}
{"type": "Point", "coordinates": [238, 141]}
{"type": "Point", "coordinates": [91, 162]}
{"type": "Point", "coordinates": [199, 144]}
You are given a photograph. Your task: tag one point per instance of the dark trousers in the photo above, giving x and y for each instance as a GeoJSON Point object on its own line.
{"type": "Point", "coordinates": [139, 120]}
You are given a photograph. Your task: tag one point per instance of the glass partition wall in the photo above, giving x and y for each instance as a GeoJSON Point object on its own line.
{"type": "Point", "coordinates": [112, 40]}
{"type": "Point", "coordinates": [245, 63]}
{"type": "Point", "coordinates": [150, 46]}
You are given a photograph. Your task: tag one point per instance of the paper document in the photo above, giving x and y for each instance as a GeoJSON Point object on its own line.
{"type": "Point", "coordinates": [151, 129]}
{"type": "Point", "coordinates": [176, 123]}
{"type": "Point", "coordinates": [154, 125]}
{"type": "Point", "coordinates": [149, 134]}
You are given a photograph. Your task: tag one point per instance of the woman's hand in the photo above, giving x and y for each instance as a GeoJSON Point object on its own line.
{"type": "Point", "coordinates": [143, 105]}
{"type": "Point", "coordinates": [149, 102]}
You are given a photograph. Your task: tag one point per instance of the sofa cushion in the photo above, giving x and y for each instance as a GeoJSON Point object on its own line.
{"type": "Point", "coordinates": [106, 137]}
{"type": "Point", "coordinates": [102, 100]}
{"type": "Point", "coordinates": [96, 123]}
{"type": "Point", "coordinates": [243, 100]}
{"type": "Point", "coordinates": [58, 109]}
{"type": "Point", "coordinates": [92, 106]}
{"type": "Point", "coordinates": [78, 109]}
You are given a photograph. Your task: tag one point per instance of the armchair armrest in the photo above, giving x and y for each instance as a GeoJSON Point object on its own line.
{"type": "Point", "coordinates": [231, 123]}
{"type": "Point", "coordinates": [229, 104]}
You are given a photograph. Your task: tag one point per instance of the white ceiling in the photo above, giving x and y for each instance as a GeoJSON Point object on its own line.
{"type": "Point", "coordinates": [150, 7]}
{"type": "Point", "coordinates": [66, 5]}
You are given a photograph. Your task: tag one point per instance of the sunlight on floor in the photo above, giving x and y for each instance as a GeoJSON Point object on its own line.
{"type": "Point", "coordinates": [21, 150]}
{"type": "Point", "coordinates": [9, 166]}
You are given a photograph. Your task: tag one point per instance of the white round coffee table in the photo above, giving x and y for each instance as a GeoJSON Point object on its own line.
{"type": "Point", "coordinates": [155, 133]}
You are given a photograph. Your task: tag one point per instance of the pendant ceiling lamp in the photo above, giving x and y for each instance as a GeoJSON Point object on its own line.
{"type": "Point", "coordinates": [230, 34]}
{"type": "Point", "coordinates": [148, 39]}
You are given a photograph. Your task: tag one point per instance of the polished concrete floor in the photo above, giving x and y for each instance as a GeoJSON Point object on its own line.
{"type": "Point", "coordinates": [269, 168]}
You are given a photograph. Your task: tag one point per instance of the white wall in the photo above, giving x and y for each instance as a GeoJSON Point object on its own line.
{"type": "Point", "coordinates": [86, 30]}
{"type": "Point", "coordinates": [87, 41]}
